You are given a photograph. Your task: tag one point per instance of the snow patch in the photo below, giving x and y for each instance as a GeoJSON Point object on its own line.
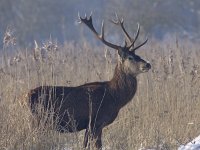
{"type": "Point", "coordinates": [193, 145]}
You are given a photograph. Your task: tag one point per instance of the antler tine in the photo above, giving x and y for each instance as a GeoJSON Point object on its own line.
{"type": "Point", "coordinates": [131, 41]}
{"type": "Point", "coordinates": [89, 24]}
{"type": "Point", "coordinates": [121, 23]}
{"type": "Point", "coordinates": [136, 37]}
{"type": "Point", "coordinates": [138, 45]}
{"type": "Point", "coordinates": [117, 21]}
{"type": "Point", "coordinates": [137, 33]}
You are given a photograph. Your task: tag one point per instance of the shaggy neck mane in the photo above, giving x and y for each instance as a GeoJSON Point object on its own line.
{"type": "Point", "coordinates": [122, 86]}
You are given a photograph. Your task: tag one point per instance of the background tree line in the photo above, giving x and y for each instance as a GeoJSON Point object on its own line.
{"type": "Point", "coordinates": [38, 19]}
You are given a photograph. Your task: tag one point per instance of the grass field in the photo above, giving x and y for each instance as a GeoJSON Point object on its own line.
{"type": "Point", "coordinates": [164, 112]}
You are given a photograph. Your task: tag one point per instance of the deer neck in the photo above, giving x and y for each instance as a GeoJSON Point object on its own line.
{"type": "Point", "coordinates": [123, 86]}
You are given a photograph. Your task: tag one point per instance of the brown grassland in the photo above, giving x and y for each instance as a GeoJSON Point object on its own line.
{"type": "Point", "coordinates": [164, 113]}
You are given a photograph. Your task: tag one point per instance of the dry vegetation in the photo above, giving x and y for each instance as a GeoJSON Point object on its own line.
{"type": "Point", "coordinates": [164, 113]}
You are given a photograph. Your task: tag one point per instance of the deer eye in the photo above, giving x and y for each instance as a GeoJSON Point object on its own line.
{"type": "Point", "coordinates": [130, 58]}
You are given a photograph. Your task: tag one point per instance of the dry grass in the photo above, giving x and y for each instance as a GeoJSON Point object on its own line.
{"type": "Point", "coordinates": [164, 113]}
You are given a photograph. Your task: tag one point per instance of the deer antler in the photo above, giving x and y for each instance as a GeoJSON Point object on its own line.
{"type": "Point", "coordinates": [88, 22]}
{"type": "Point", "coordinates": [121, 23]}
{"type": "Point", "coordinates": [131, 41]}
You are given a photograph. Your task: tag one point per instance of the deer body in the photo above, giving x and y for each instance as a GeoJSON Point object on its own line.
{"type": "Point", "coordinates": [92, 106]}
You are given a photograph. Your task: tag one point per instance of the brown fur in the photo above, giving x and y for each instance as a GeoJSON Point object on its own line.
{"type": "Point", "coordinates": [91, 106]}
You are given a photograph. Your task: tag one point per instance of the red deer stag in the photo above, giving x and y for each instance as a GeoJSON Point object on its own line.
{"type": "Point", "coordinates": [94, 105]}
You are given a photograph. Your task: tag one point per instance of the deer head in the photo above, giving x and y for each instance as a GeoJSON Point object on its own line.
{"type": "Point", "coordinates": [129, 62]}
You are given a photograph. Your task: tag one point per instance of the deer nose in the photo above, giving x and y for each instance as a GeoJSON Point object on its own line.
{"type": "Point", "coordinates": [148, 65]}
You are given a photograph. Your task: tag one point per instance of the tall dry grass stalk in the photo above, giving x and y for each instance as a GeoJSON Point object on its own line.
{"type": "Point", "coordinates": [163, 114]}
